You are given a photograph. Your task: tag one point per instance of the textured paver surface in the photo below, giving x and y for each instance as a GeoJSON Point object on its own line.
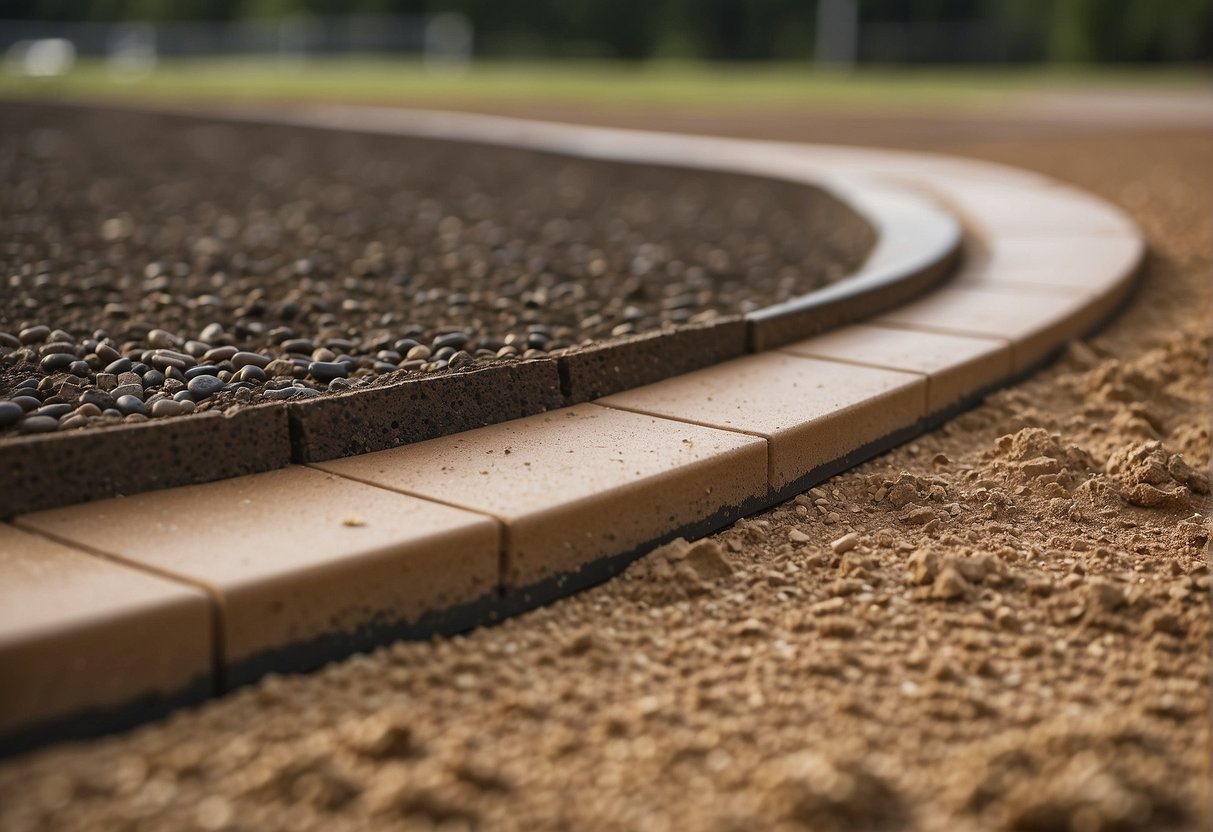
{"type": "Point", "coordinates": [577, 484]}
{"type": "Point", "coordinates": [295, 554]}
{"type": "Point", "coordinates": [79, 632]}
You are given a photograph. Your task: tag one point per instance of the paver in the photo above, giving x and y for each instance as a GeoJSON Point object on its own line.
{"type": "Point", "coordinates": [84, 639]}
{"type": "Point", "coordinates": [997, 208]}
{"type": "Point", "coordinates": [814, 413]}
{"type": "Point", "coordinates": [304, 566]}
{"type": "Point", "coordinates": [1037, 322]}
{"type": "Point", "coordinates": [579, 486]}
{"type": "Point", "coordinates": [1083, 264]}
{"type": "Point", "coordinates": [957, 367]}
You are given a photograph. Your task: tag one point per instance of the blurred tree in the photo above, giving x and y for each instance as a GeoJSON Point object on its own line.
{"type": "Point", "coordinates": [1064, 30]}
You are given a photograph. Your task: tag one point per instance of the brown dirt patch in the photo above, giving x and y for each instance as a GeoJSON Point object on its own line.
{"type": "Point", "coordinates": [1018, 638]}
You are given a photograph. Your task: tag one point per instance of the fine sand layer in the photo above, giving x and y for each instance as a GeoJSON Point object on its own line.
{"type": "Point", "coordinates": [1010, 631]}
{"type": "Point", "coordinates": [157, 265]}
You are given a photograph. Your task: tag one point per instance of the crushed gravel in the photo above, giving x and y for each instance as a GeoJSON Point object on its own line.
{"type": "Point", "coordinates": [220, 264]}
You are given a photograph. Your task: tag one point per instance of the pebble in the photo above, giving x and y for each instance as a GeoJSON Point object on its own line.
{"type": "Point", "coordinates": [211, 333]}
{"type": "Point", "coordinates": [55, 411]}
{"type": "Point", "coordinates": [251, 373]}
{"type": "Point", "coordinates": [201, 370]}
{"type": "Point", "coordinates": [302, 346]}
{"type": "Point", "coordinates": [455, 340]}
{"type": "Point", "coordinates": [122, 365]}
{"type": "Point", "coordinates": [10, 413]}
{"type": "Point", "coordinates": [134, 390]}
{"type": "Point", "coordinates": [326, 371]}
{"type": "Point", "coordinates": [418, 353]}
{"type": "Point", "coordinates": [107, 353]}
{"type": "Point", "coordinates": [39, 424]}
{"type": "Point", "coordinates": [130, 404]}
{"type": "Point", "coordinates": [166, 359]}
{"type": "Point", "coordinates": [797, 536]}
{"type": "Point", "coordinates": [26, 403]}
{"type": "Point", "coordinates": [33, 334]}
{"type": "Point", "coordinates": [245, 359]}
{"type": "Point", "coordinates": [162, 338]}
{"type": "Point", "coordinates": [57, 361]}
{"type": "Point", "coordinates": [845, 543]}
{"type": "Point", "coordinates": [214, 356]}
{"type": "Point", "coordinates": [460, 360]}
{"type": "Point", "coordinates": [169, 407]}
{"type": "Point", "coordinates": [204, 386]}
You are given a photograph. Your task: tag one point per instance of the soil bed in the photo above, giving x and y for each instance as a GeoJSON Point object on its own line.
{"type": "Point", "coordinates": [159, 265]}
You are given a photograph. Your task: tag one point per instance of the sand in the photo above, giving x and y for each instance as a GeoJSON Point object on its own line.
{"type": "Point", "coordinates": [1017, 639]}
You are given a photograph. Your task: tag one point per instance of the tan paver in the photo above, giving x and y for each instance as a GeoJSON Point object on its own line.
{"type": "Point", "coordinates": [1083, 264]}
{"type": "Point", "coordinates": [1037, 322]}
{"type": "Point", "coordinates": [993, 209]}
{"type": "Point", "coordinates": [79, 633]}
{"type": "Point", "coordinates": [577, 485]}
{"type": "Point", "coordinates": [956, 366]}
{"type": "Point", "coordinates": [295, 555]}
{"type": "Point", "coordinates": [812, 412]}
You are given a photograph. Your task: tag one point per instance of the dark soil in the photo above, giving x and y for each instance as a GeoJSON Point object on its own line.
{"type": "Point", "coordinates": [334, 259]}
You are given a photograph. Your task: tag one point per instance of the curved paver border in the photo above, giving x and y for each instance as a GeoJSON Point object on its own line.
{"type": "Point", "coordinates": [451, 532]}
{"type": "Point", "coordinates": [918, 243]}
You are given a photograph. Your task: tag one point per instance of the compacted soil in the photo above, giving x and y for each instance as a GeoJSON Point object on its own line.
{"type": "Point", "coordinates": [1003, 625]}
{"type": "Point", "coordinates": [156, 266]}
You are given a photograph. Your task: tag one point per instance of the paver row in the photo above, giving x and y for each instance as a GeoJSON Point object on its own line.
{"type": "Point", "coordinates": [208, 586]}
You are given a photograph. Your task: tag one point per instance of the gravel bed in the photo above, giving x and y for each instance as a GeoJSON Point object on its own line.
{"type": "Point", "coordinates": [157, 266]}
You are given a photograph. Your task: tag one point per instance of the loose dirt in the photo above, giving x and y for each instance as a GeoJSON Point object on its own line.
{"type": "Point", "coordinates": [1015, 638]}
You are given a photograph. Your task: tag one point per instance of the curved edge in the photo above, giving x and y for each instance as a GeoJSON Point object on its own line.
{"type": "Point", "coordinates": [1016, 325]}
{"type": "Point", "coordinates": [917, 245]}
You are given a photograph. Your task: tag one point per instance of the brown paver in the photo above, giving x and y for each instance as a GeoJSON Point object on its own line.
{"type": "Point", "coordinates": [79, 633]}
{"type": "Point", "coordinates": [294, 557]}
{"type": "Point", "coordinates": [578, 485]}
{"type": "Point", "coordinates": [812, 412]}
{"type": "Point", "coordinates": [1036, 321]}
{"type": "Point", "coordinates": [956, 367]}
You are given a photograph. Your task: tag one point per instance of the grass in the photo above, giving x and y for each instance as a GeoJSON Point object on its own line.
{"type": "Point", "coordinates": [681, 84]}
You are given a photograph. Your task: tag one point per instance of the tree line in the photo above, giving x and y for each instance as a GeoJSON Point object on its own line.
{"type": "Point", "coordinates": [1044, 30]}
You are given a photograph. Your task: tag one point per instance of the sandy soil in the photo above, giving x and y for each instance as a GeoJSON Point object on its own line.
{"type": "Point", "coordinates": [1018, 639]}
